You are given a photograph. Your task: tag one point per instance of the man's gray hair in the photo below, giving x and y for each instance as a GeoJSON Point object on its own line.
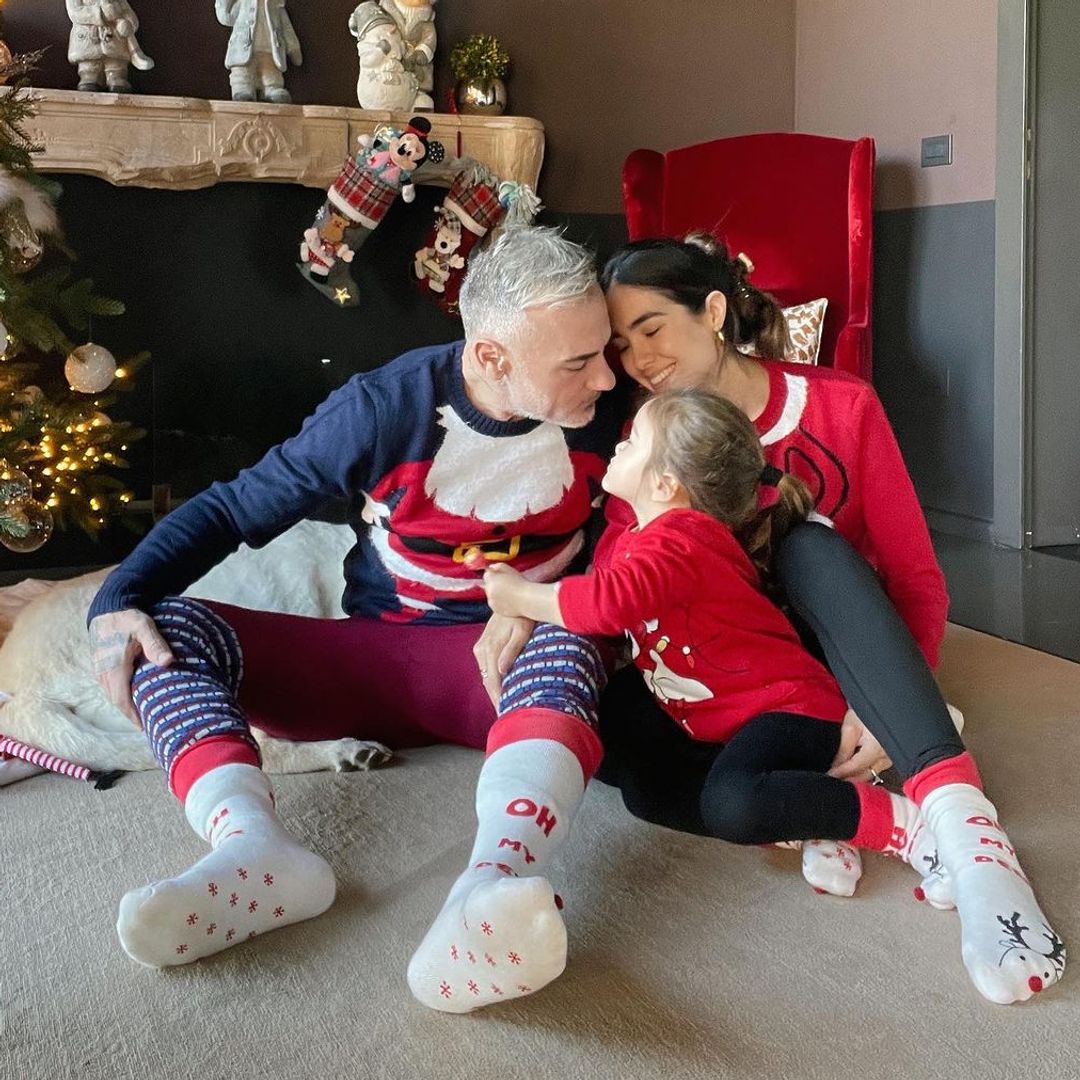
{"type": "Point", "coordinates": [523, 268]}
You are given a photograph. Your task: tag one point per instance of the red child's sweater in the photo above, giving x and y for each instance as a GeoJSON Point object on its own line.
{"type": "Point", "coordinates": [828, 428]}
{"type": "Point", "coordinates": [713, 648]}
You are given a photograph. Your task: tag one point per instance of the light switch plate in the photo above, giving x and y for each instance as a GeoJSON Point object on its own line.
{"type": "Point", "coordinates": [936, 150]}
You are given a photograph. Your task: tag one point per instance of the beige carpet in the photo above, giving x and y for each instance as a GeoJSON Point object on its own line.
{"type": "Point", "coordinates": [689, 958]}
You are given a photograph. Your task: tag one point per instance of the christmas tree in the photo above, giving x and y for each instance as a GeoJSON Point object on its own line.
{"type": "Point", "coordinates": [58, 445]}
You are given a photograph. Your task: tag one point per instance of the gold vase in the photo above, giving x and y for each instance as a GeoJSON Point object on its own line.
{"type": "Point", "coordinates": [481, 98]}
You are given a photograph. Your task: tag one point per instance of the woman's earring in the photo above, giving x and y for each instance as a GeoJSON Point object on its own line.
{"type": "Point", "coordinates": [720, 337]}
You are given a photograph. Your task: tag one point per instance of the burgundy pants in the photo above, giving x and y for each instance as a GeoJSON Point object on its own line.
{"type": "Point", "coordinates": [402, 685]}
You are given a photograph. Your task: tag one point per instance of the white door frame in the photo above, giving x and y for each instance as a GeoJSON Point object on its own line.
{"type": "Point", "coordinates": [1012, 257]}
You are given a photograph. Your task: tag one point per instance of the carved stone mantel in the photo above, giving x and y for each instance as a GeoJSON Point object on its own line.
{"type": "Point", "coordinates": [181, 143]}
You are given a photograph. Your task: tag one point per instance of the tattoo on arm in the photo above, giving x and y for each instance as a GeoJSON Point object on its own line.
{"type": "Point", "coordinates": [109, 649]}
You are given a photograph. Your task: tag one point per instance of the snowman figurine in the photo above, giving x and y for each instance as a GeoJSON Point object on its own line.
{"type": "Point", "coordinates": [383, 82]}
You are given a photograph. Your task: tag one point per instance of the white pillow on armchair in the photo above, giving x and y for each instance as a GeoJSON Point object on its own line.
{"type": "Point", "coordinates": [804, 332]}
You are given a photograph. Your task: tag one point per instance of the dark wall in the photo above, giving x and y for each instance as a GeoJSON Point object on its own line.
{"type": "Point", "coordinates": [237, 338]}
{"type": "Point", "coordinates": [603, 77]}
{"type": "Point", "coordinates": [934, 352]}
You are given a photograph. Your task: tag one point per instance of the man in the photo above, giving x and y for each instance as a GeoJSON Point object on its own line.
{"type": "Point", "coordinates": [451, 457]}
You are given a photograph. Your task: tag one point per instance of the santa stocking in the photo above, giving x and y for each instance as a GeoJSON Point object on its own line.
{"type": "Point", "coordinates": [475, 204]}
{"type": "Point", "coordinates": [499, 934]}
{"type": "Point", "coordinates": [358, 200]}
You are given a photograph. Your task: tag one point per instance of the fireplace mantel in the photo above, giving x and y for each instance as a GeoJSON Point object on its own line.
{"type": "Point", "coordinates": [183, 143]}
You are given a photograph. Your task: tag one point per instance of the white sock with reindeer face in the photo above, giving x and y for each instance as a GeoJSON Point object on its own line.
{"type": "Point", "coordinates": [1009, 948]}
{"type": "Point", "coordinates": [499, 934]}
{"type": "Point", "coordinates": [257, 878]}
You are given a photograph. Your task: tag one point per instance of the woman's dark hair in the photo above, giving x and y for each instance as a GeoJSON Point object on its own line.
{"type": "Point", "coordinates": [713, 450]}
{"type": "Point", "coordinates": [686, 271]}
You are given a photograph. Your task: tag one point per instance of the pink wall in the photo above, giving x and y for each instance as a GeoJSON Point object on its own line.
{"type": "Point", "coordinates": [900, 70]}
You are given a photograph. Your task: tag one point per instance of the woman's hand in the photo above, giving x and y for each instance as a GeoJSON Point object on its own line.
{"type": "Point", "coordinates": [860, 756]}
{"type": "Point", "coordinates": [497, 648]}
{"type": "Point", "coordinates": [117, 639]}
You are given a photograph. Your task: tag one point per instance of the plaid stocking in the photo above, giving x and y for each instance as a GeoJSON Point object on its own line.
{"type": "Point", "coordinates": [358, 200]}
{"type": "Point", "coordinates": [475, 204]}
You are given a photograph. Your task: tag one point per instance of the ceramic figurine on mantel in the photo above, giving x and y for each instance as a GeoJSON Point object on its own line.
{"type": "Point", "coordinates": [383, 82]}
{"type": "Point", "coordinates": [103, 43]}
{"type": "Point", "coordinates": [262, 45]}
{"type": "Point", "coordinates": [416, 21]}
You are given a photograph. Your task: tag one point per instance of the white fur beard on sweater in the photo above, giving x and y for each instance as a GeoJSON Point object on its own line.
{"type": "Point", "coordinates": [480, 474]}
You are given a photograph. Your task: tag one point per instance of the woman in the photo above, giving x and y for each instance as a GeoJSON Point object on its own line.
{"type": "Point", "coordinates": [687, 587]}
{"type": "Point", "coordinates": [869, 589]}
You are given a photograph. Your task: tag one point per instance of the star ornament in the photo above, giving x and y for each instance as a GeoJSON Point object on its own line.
{"type": "Point", "coordinates": [342, 296]}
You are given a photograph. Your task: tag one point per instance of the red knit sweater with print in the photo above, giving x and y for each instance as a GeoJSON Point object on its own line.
{"type": "Point", "coordinates": [828, 428]}
{"type": "Point", "coordinates": [714, 650]}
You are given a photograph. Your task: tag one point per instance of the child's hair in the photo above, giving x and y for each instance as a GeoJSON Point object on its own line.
{"type": "Point", "coordinates": [688, 270]}
{"type": "Point", "coordinates": [713, 450]}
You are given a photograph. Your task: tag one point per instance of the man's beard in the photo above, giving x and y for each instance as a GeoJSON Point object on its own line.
{"type": "Point", "coordinates": [527, 401]}
{"type": "Point", "coordinates": [408, 18]}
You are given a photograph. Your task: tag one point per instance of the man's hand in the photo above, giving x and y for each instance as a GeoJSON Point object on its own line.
{"type": "Point", "coordinates": [497, 648]}
{"type": "Point", "coordinates": [860, 755]}
{"type": "Point", "coordinates": [117, 640]}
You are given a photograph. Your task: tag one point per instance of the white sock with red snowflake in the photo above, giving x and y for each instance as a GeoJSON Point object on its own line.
{"type": "Point", "coordinates": [831, 866]}
{"type": "Point", "coordinates": [1009, 948]}
{"type": "Point", "coordinates": [257, 878]}
{"type": "Point", "coordinates": [500, 934]}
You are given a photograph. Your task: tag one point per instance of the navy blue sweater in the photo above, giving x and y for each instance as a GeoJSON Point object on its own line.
{"type": "Point", "coordinates": [427, 478]}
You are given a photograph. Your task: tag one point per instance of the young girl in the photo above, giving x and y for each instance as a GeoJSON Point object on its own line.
{"type": "Point", "coordinates": [686, 586]}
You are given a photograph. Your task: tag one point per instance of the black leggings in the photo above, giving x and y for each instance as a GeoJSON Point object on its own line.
{"type": "Point", "coordinates": [766, 784]}
{"type": "Point", "coordinates": [667, 779]}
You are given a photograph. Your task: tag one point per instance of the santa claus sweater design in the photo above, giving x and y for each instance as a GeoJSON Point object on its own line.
{"type": "Point", "coordinates": [429, 480]}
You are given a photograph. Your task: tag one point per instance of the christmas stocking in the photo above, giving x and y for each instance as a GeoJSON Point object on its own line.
{"type": "Point", "coordinates": [358, 200]}
{"type": "Point", "coordinates": [475, 204]}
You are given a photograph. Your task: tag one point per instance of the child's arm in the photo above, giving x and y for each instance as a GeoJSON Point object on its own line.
{"type": "Point", "coordinates": [510, 593]}
{"type": "Point", "coordinates": [605, 601]}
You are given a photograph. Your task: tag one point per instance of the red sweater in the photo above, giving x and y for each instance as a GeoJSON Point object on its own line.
{"type": "Point", "coordinates": [713, 648]}
{"type": "Point", "coordinates": [828, 428]}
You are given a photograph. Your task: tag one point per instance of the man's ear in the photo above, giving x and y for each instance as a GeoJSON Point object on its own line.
{"type": "Point", "coordinates": [492, 360]}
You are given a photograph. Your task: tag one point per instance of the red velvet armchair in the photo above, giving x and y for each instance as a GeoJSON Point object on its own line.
{"type": "Point", "coordinates": [799, 205]}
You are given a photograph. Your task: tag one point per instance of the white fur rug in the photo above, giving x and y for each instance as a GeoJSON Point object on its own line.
{"type": "Point", "coordinates": [55, 704]}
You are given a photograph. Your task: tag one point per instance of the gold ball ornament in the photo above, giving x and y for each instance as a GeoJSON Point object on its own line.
{"type": "Point", "coordinates": [28, 396]}
{"type": "Point", "coordinates": [14, 483]}
{"type": "Point", "coordinates": [5, 59]}
{"type": "Point", "coordinates": [28, 527]}
{"type": "Point", "coordinates": [90, 368]}
{"type": "Point", "coordinates": [24, 243]}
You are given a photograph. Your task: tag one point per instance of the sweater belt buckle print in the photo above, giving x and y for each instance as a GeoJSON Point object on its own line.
{"type": "Point", "coordinates": [502, 550]}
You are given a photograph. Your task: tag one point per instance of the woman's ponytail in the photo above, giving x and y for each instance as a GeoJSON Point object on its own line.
{"type": "Point", "coordinates": [759, 319]}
